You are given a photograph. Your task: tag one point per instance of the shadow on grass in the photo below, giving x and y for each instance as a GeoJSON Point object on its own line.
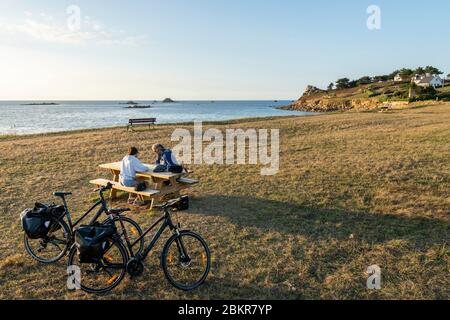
{"type": "Point", "coordinates": [324, 224]}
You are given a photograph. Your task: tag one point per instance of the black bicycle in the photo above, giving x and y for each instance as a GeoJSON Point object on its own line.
{"type": "Point", "coordinates": [60, 237]}
{"type": "Point", "coordinates": [185, 258]}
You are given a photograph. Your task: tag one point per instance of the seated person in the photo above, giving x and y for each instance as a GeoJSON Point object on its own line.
{"type": "Point", "coordinates": [129, 166]}
{"type": "Point", "coordinates": [166, 158]}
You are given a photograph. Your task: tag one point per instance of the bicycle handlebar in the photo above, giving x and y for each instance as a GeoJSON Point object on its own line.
{"type": "Point", "coordinates": [102, 189]}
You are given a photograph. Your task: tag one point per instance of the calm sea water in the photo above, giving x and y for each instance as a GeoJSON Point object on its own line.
{"type": "Point", "coordinates": [16, 118]}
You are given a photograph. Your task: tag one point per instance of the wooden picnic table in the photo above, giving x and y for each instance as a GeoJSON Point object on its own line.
{"type": "Point", "coordinates": [164, 182]}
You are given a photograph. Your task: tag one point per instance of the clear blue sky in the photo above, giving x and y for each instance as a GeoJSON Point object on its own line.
{"type": "Point", "coordinates": [210, 49]}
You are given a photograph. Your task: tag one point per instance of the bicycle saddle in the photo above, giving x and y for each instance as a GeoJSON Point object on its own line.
{"type": "Point", "coordinates": [61, 194]}
{"type": "Point", "coordinates": [119, 210]}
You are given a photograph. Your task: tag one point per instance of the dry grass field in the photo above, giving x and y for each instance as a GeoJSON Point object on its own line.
{"type": "Point", "coordinates": [353, 190]}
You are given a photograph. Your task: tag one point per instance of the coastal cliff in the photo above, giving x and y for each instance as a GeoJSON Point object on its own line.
{"type": "Point", "coordinates": [368, 96]}
{"type": "Point", "coordinates": [317, 100]}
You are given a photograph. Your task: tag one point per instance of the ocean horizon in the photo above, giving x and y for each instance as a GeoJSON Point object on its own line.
{"type": "Point", "coordinates": [18, 118]}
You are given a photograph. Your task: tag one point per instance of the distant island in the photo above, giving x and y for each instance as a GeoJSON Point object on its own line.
{"type": "Point", "coordinates": [129, 103]}
{"type": "Point", "coordinates": [168, 100]}
{"type": "Point", "coordinates": [40, 104]}
{"type": "Point", "coordinates": [401, 87]}
{"type": "Point", "coordinates": [134, 106]}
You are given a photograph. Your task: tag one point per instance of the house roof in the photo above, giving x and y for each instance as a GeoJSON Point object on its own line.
{"type": "Point", "coordinates": [428, 79]}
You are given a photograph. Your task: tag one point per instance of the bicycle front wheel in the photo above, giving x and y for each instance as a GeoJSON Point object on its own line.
{"type": "Point", "coordinates": [186, 260]}
{"type": "Point", "coordinates": [102, 276]}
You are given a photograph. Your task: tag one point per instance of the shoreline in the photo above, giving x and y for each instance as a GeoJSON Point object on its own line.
{"type": "Point", "coordinates": [7, 136]}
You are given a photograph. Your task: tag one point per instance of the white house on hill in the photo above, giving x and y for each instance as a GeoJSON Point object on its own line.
{"type": "Point", "coordinates": [399, 78]}
{"type": "Point", "coordinates": [428, 80]}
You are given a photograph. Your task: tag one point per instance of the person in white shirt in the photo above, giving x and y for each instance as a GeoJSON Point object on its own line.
{"type": "Point", "coordinates": [129, 166]}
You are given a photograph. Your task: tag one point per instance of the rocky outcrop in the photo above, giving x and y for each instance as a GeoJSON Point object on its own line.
{"type": "Point", "coordinates": [317, 100]}
{"type": "Point", "coordinates": [168, 100]}
{"type": "Point", "coordinates": [329, 104]}
{"type": "Point", "coordinates": [311, 90]}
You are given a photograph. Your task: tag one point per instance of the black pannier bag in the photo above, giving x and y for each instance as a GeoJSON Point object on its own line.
{"type": "Point", "coordinates": [160, 168]}
{"type": "Point", "coordinates": [175, 169]}
{"type": "Point", "coordinates": [183, 204]}
{"type": "Point", "coordinates": [141, 186]}
{"type": "Point", "coordinates": [93, 241]}
{"type": "Point", "coordinates": [37, 222]}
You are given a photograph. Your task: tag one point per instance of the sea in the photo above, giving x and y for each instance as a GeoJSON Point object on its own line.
{"type": "Point", "coordinates": [16, 118]}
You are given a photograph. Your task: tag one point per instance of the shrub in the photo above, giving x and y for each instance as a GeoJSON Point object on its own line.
{"type": "Point", "coordinates": [445, 96]}
{"type": "Point", "coordinates": [372, 94]}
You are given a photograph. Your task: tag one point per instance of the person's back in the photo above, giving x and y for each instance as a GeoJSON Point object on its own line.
{"type": "Point", "coordinates": [129, 166]}
{"type": "Point", "coordinates": [169, 159]}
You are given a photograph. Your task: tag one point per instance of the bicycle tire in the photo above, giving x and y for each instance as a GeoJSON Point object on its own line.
{"type": "Point", "coordinates": [141, 243]}
{"type": "Point", "coordinates": [68, 237]}
{"type": "Point", "coordinates": [124, 253]}
{"type": "Point", "coordinates": [165, 251]}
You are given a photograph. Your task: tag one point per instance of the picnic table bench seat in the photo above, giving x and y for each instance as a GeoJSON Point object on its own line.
{"type": "Point", "coordinates": [184, 180]}
{"type": "Point", "coordinates": [117, 186]}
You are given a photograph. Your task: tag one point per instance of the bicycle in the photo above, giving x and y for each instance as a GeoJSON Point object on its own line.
{"type": "Point", "coordinates": [186, 264]}
{"type": "Point", "coordinates": [60, 237]}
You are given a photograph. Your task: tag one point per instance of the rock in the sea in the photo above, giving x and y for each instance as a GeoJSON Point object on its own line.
{"type": "Point", "coordinates": [168, 100]}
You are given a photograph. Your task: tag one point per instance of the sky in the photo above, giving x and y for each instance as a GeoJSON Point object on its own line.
{"type": "Point", "coordinates": [209, 49]}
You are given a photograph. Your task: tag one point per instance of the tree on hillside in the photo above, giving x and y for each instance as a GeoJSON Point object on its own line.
{"type": "Point", "coordinates": [420, 71]}
{"type": "Point", "coordinates": [404, 73]}
{"type": "Point", "coordinates": [364, 80]}
{"type": "Point", "coordinates": [330, 86]}
{"type": "Point", "coordinates": [381, 78]}
{"type": "Point", "coordinates": [353, 83]}
{"type": "Point", "coordinates": [342, 83]}
{"type": "Point", "coordinates": [432, 70]}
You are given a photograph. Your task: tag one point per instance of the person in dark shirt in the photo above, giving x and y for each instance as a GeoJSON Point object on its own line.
{"type": "Point", "coordinates": [165, 156]}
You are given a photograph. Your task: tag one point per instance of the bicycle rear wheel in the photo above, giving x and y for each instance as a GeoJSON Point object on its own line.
{"type": "Point", "coordinates": [186, 260]}
{"type": "Point", "coordinates": [51, 248]}
{"type": "Point", "coordinates": [99, 277]}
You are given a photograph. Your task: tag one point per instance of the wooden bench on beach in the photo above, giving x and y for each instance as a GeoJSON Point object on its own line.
{"type": "Point", "coordinates": [142, 121]}
{"type": "Point", "coordinates": [149, 193]}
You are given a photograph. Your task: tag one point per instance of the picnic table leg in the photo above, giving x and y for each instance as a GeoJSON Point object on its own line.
{"type": "Point", "coordinates": [152, 200]}
{"type": "Point", "coordinates": [113, 193]}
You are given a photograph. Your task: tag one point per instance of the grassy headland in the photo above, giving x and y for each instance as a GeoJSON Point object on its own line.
{"type": "Point", "coordinates": [369, 93]}
{"type": "Point", "coordinates": [354, 189]}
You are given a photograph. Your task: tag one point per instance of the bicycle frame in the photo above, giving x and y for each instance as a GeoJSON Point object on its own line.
{"type": "Point", "coordinates": [103, 208]}
{"type": "Point", "coordinates": [166, 223]}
